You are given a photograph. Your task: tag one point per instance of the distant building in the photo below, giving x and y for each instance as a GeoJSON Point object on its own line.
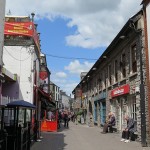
{"type": "Point", "coordinates": [55, 91]}
{"type": "Point", "coordinates": [65, 99]}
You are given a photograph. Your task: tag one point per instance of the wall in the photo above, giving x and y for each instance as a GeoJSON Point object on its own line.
{"type": "Point", "coordinates": [20, 60]}
{"type": "Point", "coordinates": [2, 18]}
{"type": "Point", "coordinates": [148, 28]}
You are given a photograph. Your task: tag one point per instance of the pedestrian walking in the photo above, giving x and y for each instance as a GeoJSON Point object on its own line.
{"type": "Point", "coordinates": [66, 119]}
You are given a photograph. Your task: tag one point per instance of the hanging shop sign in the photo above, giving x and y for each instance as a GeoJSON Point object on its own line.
{"type": "Point", "coordinates": [44, 80]}
{"type": "Point", "coordinates": [120, 91]}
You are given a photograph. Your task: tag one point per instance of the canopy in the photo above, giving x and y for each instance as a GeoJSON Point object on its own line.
{"type": "Point", "coordinates": [20, 103]}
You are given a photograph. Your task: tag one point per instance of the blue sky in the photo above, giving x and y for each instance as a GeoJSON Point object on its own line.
{"type": "Point", "coordinates": [78, 29]}
{"type": "Point", "coordinates": [53, 43]}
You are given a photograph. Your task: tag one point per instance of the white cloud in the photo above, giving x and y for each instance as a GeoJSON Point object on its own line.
{"type": "Point", "coordinates": [61, 74]}
{"type": "Point", "coordinates": [76, 67]}
{"type": "Point", "coordinates": [97, 21]}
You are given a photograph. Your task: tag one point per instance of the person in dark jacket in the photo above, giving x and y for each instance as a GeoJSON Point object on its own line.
{"type": "Point", "coordinates": [110, 122]}
{"type": "Point", "coordinates": [66, 119]}
{"type": "Point", "coordinates": [129, 130]}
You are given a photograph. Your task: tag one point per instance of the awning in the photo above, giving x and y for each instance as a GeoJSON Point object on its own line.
{"type": "Point", "coordinates": [44, 94]}
{"type": "Point", "coordinates": [46, 101]}
{"type": "Point", "coordinates": [20, 103]}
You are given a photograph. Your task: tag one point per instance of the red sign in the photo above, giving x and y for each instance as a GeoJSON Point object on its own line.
{"type": "Point", "coordinates": [19, 28]}
{"type": "Point", "coordinates": [43, 75]}
{"type": "Point", "coordinates": [22, 28]}
{"type": "Point", "coordinates": [120, 91]}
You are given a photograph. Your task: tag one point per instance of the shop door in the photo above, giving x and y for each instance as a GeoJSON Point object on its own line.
{"type": "Point", "coordinates": [95, 112]}
{"type": "Point", "coordinates": [119, 114]}
{"type": "Point", "coordinates": [122, 112]}
{"type": "Point", "coordinates": [103, 112]}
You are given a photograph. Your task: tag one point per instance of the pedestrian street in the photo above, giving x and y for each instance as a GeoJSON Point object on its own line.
{"type": "Point", "coordinates": [82, 137]}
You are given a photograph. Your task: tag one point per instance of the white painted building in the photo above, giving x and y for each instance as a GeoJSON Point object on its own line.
{"type": "Point", "coordinates": [65, 100]}
{"type": "Point", "coordinates": [21, 61]}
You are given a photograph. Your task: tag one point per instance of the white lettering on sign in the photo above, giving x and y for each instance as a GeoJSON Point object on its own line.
{"type": "Point", "coordinates": [119, 91]}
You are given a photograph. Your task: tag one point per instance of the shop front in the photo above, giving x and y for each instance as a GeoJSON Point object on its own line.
{"type": "Point", "coordinates": [96, 109]}
{"type": "Point", "coordinates": [102, 108]}
{"type": "Point", "coordinates": [120, 104]}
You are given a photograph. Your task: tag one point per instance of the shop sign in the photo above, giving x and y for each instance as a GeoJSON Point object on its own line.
{"type": "Point", "coordinates": [22, 29]}
{"type": "Point", "coordinates": [120, 91]}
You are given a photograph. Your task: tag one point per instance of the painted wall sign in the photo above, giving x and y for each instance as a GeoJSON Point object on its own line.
{"type": "Point", "coordinates": [120, 91]}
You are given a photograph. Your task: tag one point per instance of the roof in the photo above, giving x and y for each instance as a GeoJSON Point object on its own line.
{"type": "Point", "coordinates": [110, 47]}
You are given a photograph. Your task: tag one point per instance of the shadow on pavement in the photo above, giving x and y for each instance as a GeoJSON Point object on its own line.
{"type": "Point", "coordinates": [50, 141]}
{"type": "Point", "coordinates": [62, 128]}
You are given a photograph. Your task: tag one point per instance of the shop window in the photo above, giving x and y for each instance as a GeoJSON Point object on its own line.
{"type": "Point", "coordinates": [28, 115]}
{"type": "Point", "coordinates": [132, 108]}
{"type": "Point", "coordinates": [133, 59]}
{"type": "Point", "coordinates": [21, 117]}
{"type": "Point", "coordinates": [95, 111]}
{"type": "Point", "coordinates": [9, 117]}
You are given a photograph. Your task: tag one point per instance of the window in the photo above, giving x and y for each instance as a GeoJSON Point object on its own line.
{"type": "Point", "coordinates": [116, 70]}
{"type": "Point", "coordinates": [104, 78]}
{"type": "Point", "coordinates": [109, 74]}
{"type": "Point", "coordinates": [28, 115]}
{"type": "Point", "coordinates": [100, 82]}
{"type": "Point", "coordinates": [133, 59]}
{"type": "Point", "coordinates": [123, 66]}
{"type": "Point", "coordinates": [132, 107]}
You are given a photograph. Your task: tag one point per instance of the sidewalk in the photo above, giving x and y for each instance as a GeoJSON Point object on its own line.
{"type": "Point", "coordinates": [82, 137]}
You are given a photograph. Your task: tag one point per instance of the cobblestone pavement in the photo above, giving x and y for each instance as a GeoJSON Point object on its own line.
{"type": "Point", "coordinates": [82, 137]}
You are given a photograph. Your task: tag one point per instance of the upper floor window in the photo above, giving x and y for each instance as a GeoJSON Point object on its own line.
{"type": "Point", "coordinates": [100, 82]}
{"type": "Point", "coordinates": [116, 70]}
{"type": "Point", "coordinates": [133, 59]}
{"type": "Point", "coordinates": [123, 65]}
{"type": "Point", "coordinates": [109, 74]}
{"type": "Point", "coordinates": [104, 80]}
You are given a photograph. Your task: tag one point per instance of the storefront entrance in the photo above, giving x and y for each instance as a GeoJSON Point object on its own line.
{"type": "Point", "coordinates": [102, 112]}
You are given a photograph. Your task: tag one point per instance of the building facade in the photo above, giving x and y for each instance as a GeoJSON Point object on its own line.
{"type": "Point", "coordinates": [117, 81]}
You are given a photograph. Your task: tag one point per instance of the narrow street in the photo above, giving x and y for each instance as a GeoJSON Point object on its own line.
{"type": "Point", "coordinates": [82, 137]}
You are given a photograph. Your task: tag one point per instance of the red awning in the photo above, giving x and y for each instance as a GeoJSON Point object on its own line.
{"type": "Point", "coordinates": [46, 95]}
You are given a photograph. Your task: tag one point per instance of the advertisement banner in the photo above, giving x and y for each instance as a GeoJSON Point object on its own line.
{"type": "Point", "coordinates": [19, 28]}
{"type": "Point", "coordinates": [23, 29]}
